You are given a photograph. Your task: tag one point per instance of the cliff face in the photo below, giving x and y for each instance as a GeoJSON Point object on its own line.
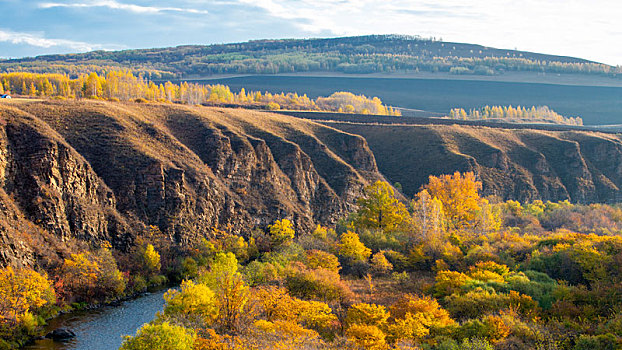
{"type": "Point", "coordinates": [520, 164]}
{"type": "Point", "coordinates": [81, 172]}
{"type": "Point", "coordinates": [92, 171]}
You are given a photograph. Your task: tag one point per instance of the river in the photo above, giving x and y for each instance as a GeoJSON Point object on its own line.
{"type": "Point", "coordinates": [104, 328]}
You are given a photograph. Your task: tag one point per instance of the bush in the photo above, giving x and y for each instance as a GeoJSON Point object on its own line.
{"type": "Point", "coordinates": [23, 294]}
{"type": "Point", "coordinates": [366, 337]}
{"type": "Point", "coordinates": [481, 302]}
{"type": "Point", "coordinates": [367, 314]}
{"type": "Point", "coordinates": [320, 259]}
{"type": "Point", "coordinates": [599, 342]}
{"type": "Point", "coordinates": [281, 232]}
{"type": "Point", "coordinates": [193, 303]}
{"type": "Point", "coordinates": [162, 336]}
{"type": "Point", "coordinates": [257, 273]}
{"type": "Point", "coordinates": [352, 249]}
{"type": "Point", "coordinates": [449, 282]}
{"type": "Point", "coordinates": [319, 284]}
{"type": "Point", "coordinates": [475, 344]}
{"type": "Point", "coordinates": [380, 265]}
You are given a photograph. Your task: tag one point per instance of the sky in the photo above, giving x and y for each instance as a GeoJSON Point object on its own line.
{"type": "Point", "coordinates": [587, 29]}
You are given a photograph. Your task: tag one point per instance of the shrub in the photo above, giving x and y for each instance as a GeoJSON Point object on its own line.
{"type": "Point", "coordinates": [319, 284]}
{"type": "Point", "coordinates": [366, 336]}
{"type": "Point", "coordinates": [599, 342]}
{"type": "Point", "coordinates": [79, 276]}
{"type": "Point", "coordinates": [281, 232]}
{"type": "Point", "coordinates": [481, 302]}
{"type": "Point", "coordinates": [411, 326]}
{"type": "Point", "coordinates": [258, 273]}
{"type": "Point", "coordinates": [273, 106]}
{"type": "Point", "coordinates": [449, 282]}
{"type": "Point", "coordinates": [162, 336]}
{"type": "Point", "coordinates": [151, 260]}
{"type": "Point", "coordinates": [380, 265]}
{"type": "Point", "coordinates": [320, 259]}
{"type": "Point", "coordinates": [475, 344]}
{"type": "Point", "coordinates": [367, 314]}
{"type": "Point", "coordinates": [351, 247]}
{"type": "Point", "coordinates": [428, 307]}
{"type": "Point", "coordinates": [193, 303]}
{"type": "Point", "coordinates": [23, 292]}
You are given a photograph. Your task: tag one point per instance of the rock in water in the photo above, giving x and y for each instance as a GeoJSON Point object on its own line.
{"type": "Point", "coordinates": [61, 334]}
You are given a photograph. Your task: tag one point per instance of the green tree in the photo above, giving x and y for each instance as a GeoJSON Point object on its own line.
{"type": "Point", "coordinates": [162, 336]}
{"type": "Point", "coordinates": [379, 209]}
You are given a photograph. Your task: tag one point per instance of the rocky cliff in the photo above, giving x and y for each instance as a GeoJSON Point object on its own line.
{"type": "Point", "coordinates": [76, 173]}
{"type": "Point", "coordinates": [89, 171]}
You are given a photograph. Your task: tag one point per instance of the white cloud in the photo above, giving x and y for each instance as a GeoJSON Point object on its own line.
{"type": "Point", "coordinates": [113, 4]}
{"type": "Point", "coordinates": [39, 40]}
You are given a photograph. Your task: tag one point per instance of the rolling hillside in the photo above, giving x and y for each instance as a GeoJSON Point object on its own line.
{"type": "Point", "coordinates": [515, 162]}
{"type": "Point", "coordinates": [353, 55]}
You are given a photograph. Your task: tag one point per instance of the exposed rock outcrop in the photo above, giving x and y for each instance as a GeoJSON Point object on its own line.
{"type": "Point", "coordinates": [94, 171]}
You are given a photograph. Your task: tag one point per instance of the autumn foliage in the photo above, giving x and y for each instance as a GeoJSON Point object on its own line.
{"type": "Point", "coordinates": [452, 270]}
{"type": "Point", "coordinates": [123, 85]}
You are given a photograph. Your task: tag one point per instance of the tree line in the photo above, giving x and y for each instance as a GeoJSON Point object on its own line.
{"type": "Point", "coordinates": [541, 114]}
{"type": "Point", "coordinates": [119, 85]}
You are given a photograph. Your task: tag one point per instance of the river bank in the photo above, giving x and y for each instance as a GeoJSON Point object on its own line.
{"type": "Point", "coordinates": [103, 328]}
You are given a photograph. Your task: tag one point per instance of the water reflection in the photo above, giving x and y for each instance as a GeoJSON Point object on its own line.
{"type": "Point", "coordinates": [103, 329]}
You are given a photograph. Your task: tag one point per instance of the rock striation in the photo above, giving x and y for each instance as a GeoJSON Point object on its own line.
{"type": "Point", "coordinates": [94, 171]}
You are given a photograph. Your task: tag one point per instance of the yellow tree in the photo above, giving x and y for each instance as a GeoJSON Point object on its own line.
{"type": "Point", "coordinates": [22, 291]}
{"type": "Point", "coordinates": [231, 291]}
{"type": "Point", "coordinates": [460, 197]}
{"type": "Point", "coordinates": [80, 275]}
{"type": "Point", "coordinates": [352, 248]}
{"type": "Point", "coordinates": [151, 259]}
{"type": "Point", "coordinates": [281, 232]}
{"type": "Point", "coordinates": [194, 301]}
{"type": "Point", "coordinates": [380, 209]}
{"type": "Point", "coordinates": [367, 314]}
{"type": "Point", "coordinates": [163, 336]}
{"type": "Point", "coordinates": [428, 216]}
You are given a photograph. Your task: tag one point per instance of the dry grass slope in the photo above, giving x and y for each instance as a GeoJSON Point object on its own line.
{"type": "Point", "coordinates": [522, 164]}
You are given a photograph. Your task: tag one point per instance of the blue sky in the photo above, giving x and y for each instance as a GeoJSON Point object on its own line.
{"type": "Point", "coordinates": [582, 28]}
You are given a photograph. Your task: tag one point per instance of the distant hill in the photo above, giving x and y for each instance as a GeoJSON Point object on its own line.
{"type": "Point", "coordinates": [356, 55]}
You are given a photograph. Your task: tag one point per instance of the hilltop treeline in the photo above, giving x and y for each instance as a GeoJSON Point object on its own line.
{"type": "Point", "coordinates": [125, 86]}
{"type": "Point", "coordinates": [364, 54]}
{"type": "Point", "coordinates": [541, 114]}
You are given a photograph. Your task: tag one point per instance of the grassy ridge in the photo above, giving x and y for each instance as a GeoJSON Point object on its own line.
{"type": "Point", "coordinates": [362, 54]}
